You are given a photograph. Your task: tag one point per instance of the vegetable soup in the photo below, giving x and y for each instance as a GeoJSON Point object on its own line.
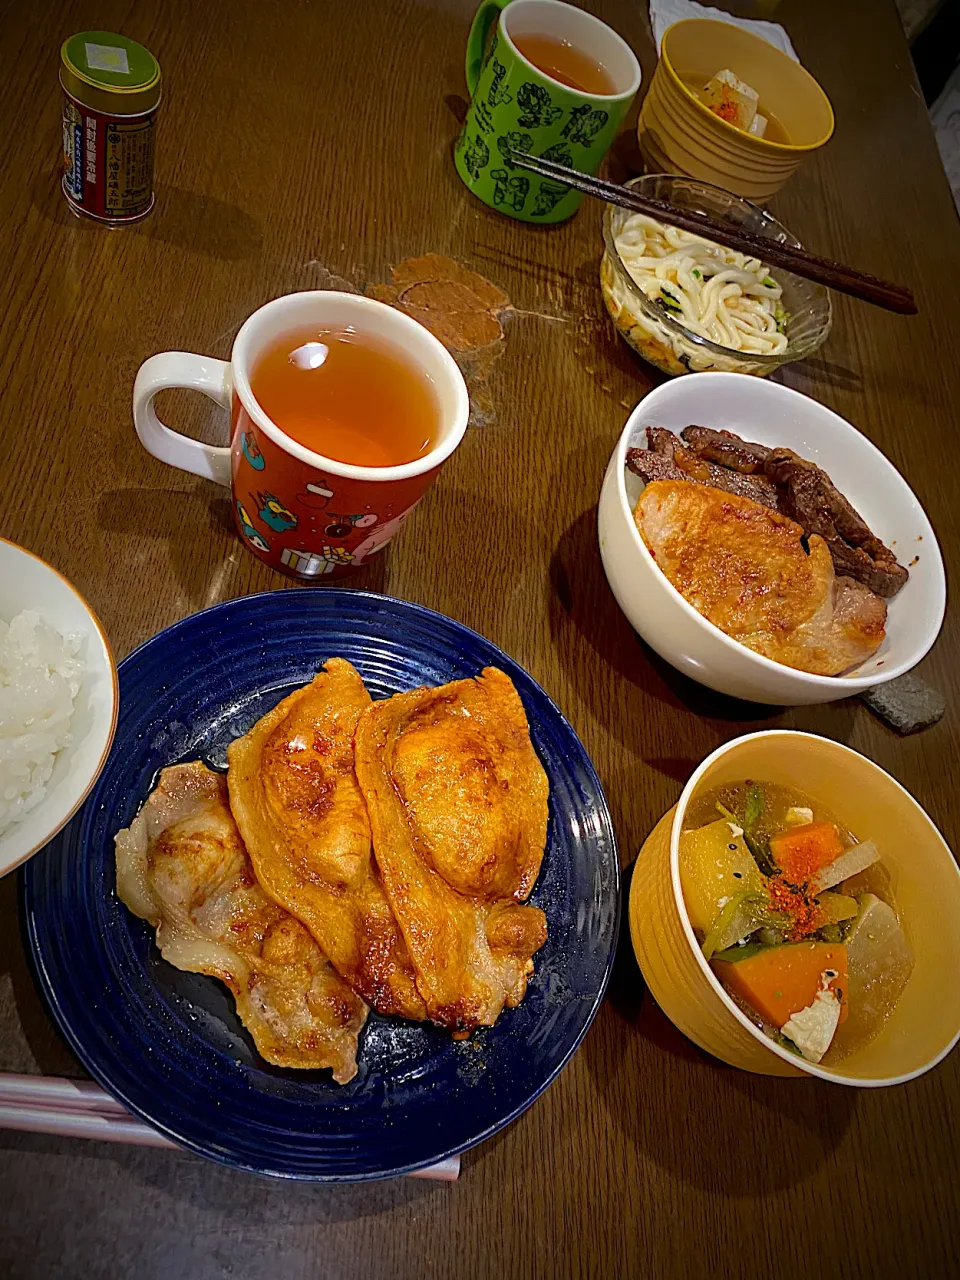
{"type": "Point", "coordinates": [797, 918]}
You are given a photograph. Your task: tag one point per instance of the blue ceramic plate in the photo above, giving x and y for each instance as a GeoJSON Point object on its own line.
{"type": "Point", "coordinates": [169, 1044]}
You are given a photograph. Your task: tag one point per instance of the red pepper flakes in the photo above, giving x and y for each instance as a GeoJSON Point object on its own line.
{"type": "Point", "coordinates": [801, 852]}
{"type": "Point", "coordinates": [806, 916]}
{"type": "Point", "coordinates": [728, 111]}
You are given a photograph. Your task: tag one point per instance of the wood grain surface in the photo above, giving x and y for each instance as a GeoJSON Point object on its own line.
{"type": "Point", "coordinates": [301, 142]}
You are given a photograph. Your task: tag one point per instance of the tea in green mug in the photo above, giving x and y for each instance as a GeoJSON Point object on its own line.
{"type": "Point", "coordinates": [561, 61]}
{"type": "Point", "coordinates": [548, 79]}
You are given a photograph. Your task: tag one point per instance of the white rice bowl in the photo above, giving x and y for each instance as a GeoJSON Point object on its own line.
{"type": "Point", "coordinates": [40, 677]}
{"type": "Point", "coordinates": [58, 703]}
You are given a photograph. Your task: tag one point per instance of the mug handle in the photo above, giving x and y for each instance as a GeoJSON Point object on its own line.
{"type": "Point", "coordinates": [196, 373]}
{"type": "Point", "coordinates": [486, 16]}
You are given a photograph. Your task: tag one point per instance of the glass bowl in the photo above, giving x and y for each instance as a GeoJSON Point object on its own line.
{"type": "Point", "coordinates": [661, 339]}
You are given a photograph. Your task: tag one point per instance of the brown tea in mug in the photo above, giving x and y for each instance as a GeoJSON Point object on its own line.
{"type": "Point", "coordinates": [347, 396]}
{"type": "Point", "coordinates": [559, 60]}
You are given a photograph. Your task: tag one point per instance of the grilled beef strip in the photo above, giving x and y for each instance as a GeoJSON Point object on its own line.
{"type": "Point", "coordinates": [650, 466]}
{"type": "Point", "coordinates": [726, 449]}
{"type": "Point", "coordinates": [808, 495]}
{"type": "Point", "coordinates": [667, 459]}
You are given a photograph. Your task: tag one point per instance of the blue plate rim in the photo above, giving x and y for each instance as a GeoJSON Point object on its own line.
{"type": "Point", "coordinates": [224, 1158]}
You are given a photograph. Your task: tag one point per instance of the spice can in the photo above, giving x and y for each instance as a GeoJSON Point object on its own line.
{"type": "Point", "coordinates": [111, 93]}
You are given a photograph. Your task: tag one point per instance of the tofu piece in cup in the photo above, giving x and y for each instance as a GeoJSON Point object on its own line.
{"type": "Point", "coordinates": [734, 101]}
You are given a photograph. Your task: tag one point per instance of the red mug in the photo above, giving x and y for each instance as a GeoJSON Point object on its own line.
{"type": "Point", "coordinates": [298, 511]}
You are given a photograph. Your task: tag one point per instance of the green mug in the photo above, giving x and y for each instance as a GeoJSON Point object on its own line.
{"type": "Point", "coordinates": [516, 106]}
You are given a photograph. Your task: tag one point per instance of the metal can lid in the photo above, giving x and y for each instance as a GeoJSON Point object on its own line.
{"type": "Point", "coordinates": [109, 72]}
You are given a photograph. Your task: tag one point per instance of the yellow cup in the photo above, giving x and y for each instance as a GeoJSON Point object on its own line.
{"type": "Point", "coordinates": [678, 134]}
{"type": "Point", "coordinates": [924, 1026]}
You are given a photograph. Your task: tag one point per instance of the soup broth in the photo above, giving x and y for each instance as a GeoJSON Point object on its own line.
{"type": "Point", "coordinates": [797, 918]}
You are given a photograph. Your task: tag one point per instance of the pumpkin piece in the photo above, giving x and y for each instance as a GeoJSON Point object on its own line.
{"type": "Point", "coordinates": [780, 981]}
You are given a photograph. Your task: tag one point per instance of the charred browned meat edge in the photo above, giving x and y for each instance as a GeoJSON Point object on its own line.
{"type": "Point", "coordinates": [662, 441]}
{"type": "Point", "coordinates": [650, 466]}
{"type": "Point", "coordinates": [666, 444]}
{"type": "Point", "coordinates": [726, 449]}
{"type": "Point", "coordinates": [667, 459]}
{"type": "Point", "coordinates": [809, 496]}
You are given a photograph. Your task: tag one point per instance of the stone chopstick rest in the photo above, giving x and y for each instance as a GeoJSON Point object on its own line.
{"type": "Point", "coordinates": [907, 704]}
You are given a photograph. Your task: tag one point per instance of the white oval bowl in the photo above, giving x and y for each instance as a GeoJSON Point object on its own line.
{"type": "Point", "coordinates": [773, 415]}
{"type": "Point", "coordinates": [27, 582]}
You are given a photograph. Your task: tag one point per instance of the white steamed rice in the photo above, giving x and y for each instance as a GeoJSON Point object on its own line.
{"type": "Point", "coordinates": [40, 676]}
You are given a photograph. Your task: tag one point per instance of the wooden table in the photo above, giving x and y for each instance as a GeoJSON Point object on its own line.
{"type": "Point", "coordinates": [302, 141]}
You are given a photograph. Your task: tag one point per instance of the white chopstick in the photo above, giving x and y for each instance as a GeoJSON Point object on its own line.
{"type": "Point", "coordinates": [64, 1095]}
{"type": "Point", "coordinates": [81, 1124]}
{"type": "Point", "coordinates": [81, 1109]}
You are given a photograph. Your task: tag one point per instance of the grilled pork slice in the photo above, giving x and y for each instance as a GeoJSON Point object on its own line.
{"type": "Point", "coordinates": [746, 569]}
{"type": "Point", "coordinates": [182, 866]}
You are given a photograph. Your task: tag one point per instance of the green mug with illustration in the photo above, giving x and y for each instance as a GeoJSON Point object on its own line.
{"type": "Point", "coordinates": [549, 79]}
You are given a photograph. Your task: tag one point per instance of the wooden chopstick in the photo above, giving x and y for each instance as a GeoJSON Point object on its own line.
{"type": "Point", "coordinates": [835, 275]}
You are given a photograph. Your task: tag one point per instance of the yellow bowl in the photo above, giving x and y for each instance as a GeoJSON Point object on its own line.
{"type": "Point", "coordinates": [678, 134]}
{"type": "Point", "coordinates": [924, 1026]}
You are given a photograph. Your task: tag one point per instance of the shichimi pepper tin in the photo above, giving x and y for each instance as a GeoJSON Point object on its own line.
{"type": "Point", "coordinates": [111, 92]}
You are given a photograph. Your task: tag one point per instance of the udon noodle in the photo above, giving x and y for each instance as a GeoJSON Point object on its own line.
{"type": "Point", "coordinates": [720, 294]}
